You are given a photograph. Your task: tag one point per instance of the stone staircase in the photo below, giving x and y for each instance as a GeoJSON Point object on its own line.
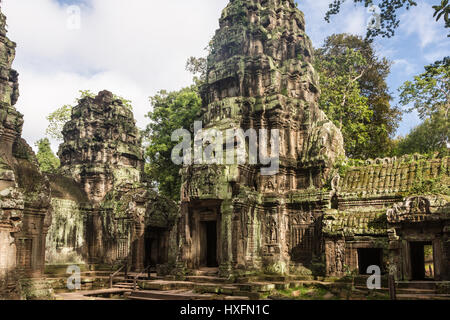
{"type": "Point", "coordinates": [204, 285]}
{"type": "Point", "coordinates": [423, 290]}
{"type": "Point", "coordinates": [416, 290]}
{"type": "Point", "coordinates": [207, 285]}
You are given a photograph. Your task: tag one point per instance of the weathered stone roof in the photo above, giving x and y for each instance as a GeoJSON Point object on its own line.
{"type": "Point", "coordinates": [355, 223]}
{"type": "Point", "coordinates": [395, 176]}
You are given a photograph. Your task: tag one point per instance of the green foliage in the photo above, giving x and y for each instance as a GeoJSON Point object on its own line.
{"type": "Point", "coordinates": [341, 97]}
{"type": "Point", "coordinates": [430, 136]}
{"type": "Point", "coordinates": [429, 95]}
{"type": "Point", "coordinates": [56, 120]}
{"type": "Point", "coordinates": [171, 111]}
{"type": "Point", "coordinates": [430, 91]}
{"type": "Point", "coordinates": [85, 94]}
{"type": "Point", "coordinates": [388, 14]}
{"type": "Point", "coordinates": [48, 162]}
{"type": "Point", "coordinates": [197, 66]}
{"type": "Point", "coordinates": [355, 95]}
{"type": "Point", "coordinates": [343, 165]}
{"type": "Point", "coordinates": [423, 185]}
{"type": "Point", "coordinates": [443, 10]}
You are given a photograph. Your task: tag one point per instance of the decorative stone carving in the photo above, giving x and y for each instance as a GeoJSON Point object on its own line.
{"type": "Point", "coordinates": [412, 206]}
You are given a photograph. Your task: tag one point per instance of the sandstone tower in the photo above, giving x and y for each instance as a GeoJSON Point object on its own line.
{"type": "Point", "coordinates": [105, 211]}
{"type": "Point", "coordinates": [24, 191]}
{"type": "Point", "coordinates": [260, 76]}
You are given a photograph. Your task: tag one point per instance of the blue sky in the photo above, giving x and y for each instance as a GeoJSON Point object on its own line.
{"type": "Point", "coordinates": [137, 47]}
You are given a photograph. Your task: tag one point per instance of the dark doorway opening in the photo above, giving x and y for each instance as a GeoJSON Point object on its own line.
{"type": "Point", "coordinates": [209, 244]}
{"type": "Point", "coordinates": [154, 250]}
{"type": "Point", "coordinates": [149, 249]}
{"type": "Point", "coordinates": [422, 263]}
{"type": "Point", "coordinates": [369, 257]}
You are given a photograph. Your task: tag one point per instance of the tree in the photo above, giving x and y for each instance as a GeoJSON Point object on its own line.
{"type": "Point", "coordinates": [429, 93]}
{"type": "Point", "coordinates": [384, 120]}
{"type": "Point", "coordinates": [355, 94]}
{"type": "Point", "coordinates": [48, 162]}
{"type": "Point", "coordinates": [58, 118]}
{"type": "Point", "coordinates": [389, 10]}
{"type": "Point", "coordinates": [171, 111]}
{"type": "Point", "coordinates": [197, 66]}
{"type": "Point", "coordinates": [443, 10]}
{"type": "Point", "coordinates": [429, 137]}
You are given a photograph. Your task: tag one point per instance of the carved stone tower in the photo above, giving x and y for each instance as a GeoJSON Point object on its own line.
{"type": "Point", "coordinates": [102, 152]}
{"type": "Point", "coordinates": [260, 76]}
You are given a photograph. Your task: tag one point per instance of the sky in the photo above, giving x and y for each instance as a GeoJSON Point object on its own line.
{"type": "Point", "coordinates": [135, 48]}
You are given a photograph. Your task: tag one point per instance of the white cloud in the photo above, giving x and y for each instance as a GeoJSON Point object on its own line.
{"type": "Point", "coordinates": [137, 47]}
{"type": "Point", "coordinates": [133, 48]}
{"type": "Point", "coordinates": [419, 21]}
{"type": "Point", "coordinates": [437, 53]}
{"type": "Point", "coordinates": [404, 66]}
{"type": "Point", "coordinates": [352, 19]}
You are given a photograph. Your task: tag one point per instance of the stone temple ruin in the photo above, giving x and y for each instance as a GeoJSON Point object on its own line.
{"type": "Point", "coordinates": [101, 191]}
{"type": "Point", "coordinates": [100, 210]}
{"type": "Point", "coordinates": [260, 76]}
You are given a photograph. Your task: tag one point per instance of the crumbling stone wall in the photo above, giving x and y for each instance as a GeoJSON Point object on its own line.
{"type": "Point", "coordinates": [66, 239]}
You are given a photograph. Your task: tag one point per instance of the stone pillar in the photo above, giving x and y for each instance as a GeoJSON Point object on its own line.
{"type": "Point", "coordinates": [138, 251]}
{"type": "Point", "coordinates": [226, 238]}
{"type": "Point", "coordinates": [437, 257]}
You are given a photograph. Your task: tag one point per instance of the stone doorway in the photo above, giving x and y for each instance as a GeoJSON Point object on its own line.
{"type": "Point", "coordinates": [155, 249]}
{"type": "Point", "coordinates": [369, 257]}
{"type": "Point", "coordinates": [208, 244]}
{"type": "Point", "coordinates": [204, 229]}
{"type": "Point", "coordinates": [422, 261]}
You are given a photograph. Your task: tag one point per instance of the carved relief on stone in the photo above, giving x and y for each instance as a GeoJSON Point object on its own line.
{"type": "Point", "coordinates": [340, 256]}
{"type": "Point", "coordinates": [411, 207]}
{"type": "Point", "coordinates": [272, 234]}
{"type": "Point", "coordinates": [335, 183]}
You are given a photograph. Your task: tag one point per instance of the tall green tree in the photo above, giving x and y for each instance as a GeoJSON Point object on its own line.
{"type": "Point", "coordinates": [429, 95]}
{"type": "Point", "coordinates": [48, 161]}
{"type": "Point", "coordinates": [355, 94]}
{"type": "Point", "coordinates": [432, 135]}
{"type": "Point", "coordinates": [171, 111]}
